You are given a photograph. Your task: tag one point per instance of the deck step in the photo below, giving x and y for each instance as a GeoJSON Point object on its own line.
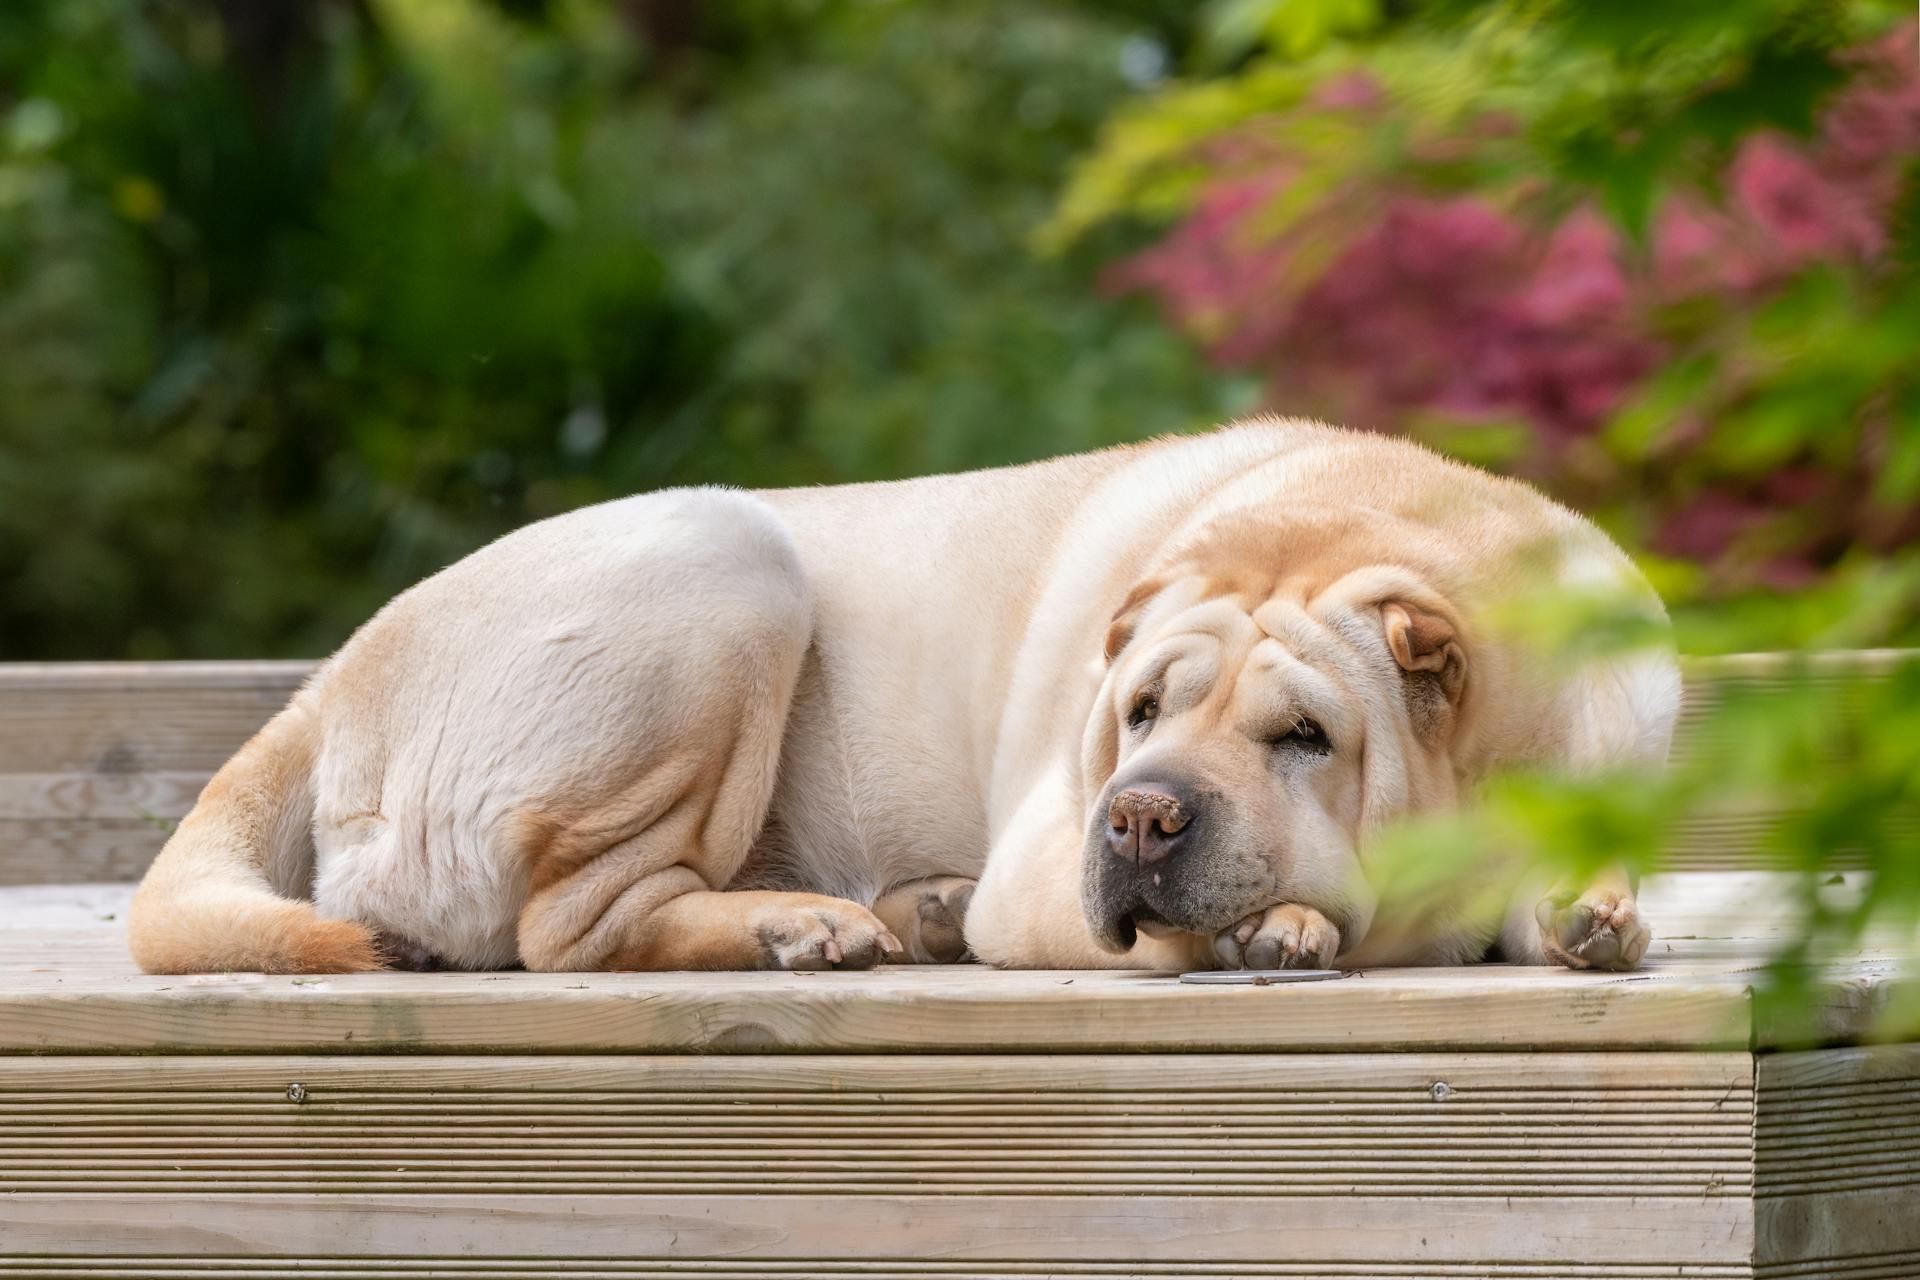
{"type": "Point", "coordinates": [951, 1122]}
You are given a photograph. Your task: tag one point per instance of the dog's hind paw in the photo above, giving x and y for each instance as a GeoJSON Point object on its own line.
{"type": "Point", "coordinates": [931, 916]}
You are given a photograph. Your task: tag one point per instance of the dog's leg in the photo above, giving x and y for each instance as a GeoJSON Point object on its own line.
{"type": "Point", "coordinates": [654, 925]}
{"type": "Point", "coordinates": [1618, 711]}
{"type": "Point", "coordinates": [675, 721]}
{"type": "Point", "coordinates": [928, 917]}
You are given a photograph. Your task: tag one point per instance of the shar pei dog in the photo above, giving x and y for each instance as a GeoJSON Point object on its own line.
{"type": "Point", "coordinates": [1136, 708]}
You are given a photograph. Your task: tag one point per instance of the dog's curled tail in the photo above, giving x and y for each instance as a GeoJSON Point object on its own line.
{"type": "Point", "coordinates": [209, 903]}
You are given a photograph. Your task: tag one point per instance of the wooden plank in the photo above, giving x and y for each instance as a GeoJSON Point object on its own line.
{"type": "Point", "coordinates": [1658, 1142]}
{"type": "Point", "coordinates": [95, 848]}
{"type": "Point", "coordinates": [1473, 1079]}
{"type": "Point", "coordinates": [895, 1009]}
{"type": "Point", "coordinates": [1837, 1163]}
{"type": "Point", "coordinates": [156, 798]}
{"type": "Point", "coordinates": [1823, 1075]}
{"type": "Point", "coordinates": [1445, 1125]}
{"type": "Point", "coordinates": [99, 760]}
{"type": "Point", "coordinates": [72, 987]}
{"type": "Point", "coordinates": [113, 719]}
{"type": "Point", "coordinates": [1309, 1232]}
{"type": "Point", "coordinates": [1090, 1160]}
{"type": "Point", "coordinates": [1735, 837]}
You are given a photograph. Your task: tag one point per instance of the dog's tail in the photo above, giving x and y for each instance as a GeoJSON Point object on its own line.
{"type": "Point", "coordinates": [209, 903]}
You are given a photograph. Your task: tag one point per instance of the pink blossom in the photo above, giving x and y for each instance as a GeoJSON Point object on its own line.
{"type": "Point", "coordinates": [1442, 303]}
{"type": "Point", "coordinates": [1353, 91]}
{"type": "Point", "coordinates": [1809, 215]}
{"type": "Point", "coordinates": [1383, 304]}
{"type": "Point", "coordinates": [1578, 278]}
{"type": "Point", "coordinates": [1708, 526]}
{"type": "Point", "coordinates": [1876, 118]}
{"type": "Point", "coordinates": [1696, 249]}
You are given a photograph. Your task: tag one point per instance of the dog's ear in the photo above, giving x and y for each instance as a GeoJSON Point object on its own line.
{"type": "Point", "coordinates": [1127, 617]}
{"type": "Point", "coordinates": [1425, 639]}
{"type": "Point", "coordinates": [1432, 660]}
{"type": "Point", "coordinates": [1422, 640]}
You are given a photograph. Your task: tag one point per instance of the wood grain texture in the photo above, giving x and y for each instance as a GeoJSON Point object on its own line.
{"type": "Point", "coordinates": [71, 987]}
{"type": "Point", "coordinates": [119, 718]}
{"type": "Point", "coordinates": [1416, 1163]}
{"type": "Point", "coordinates": [1623, 1164]}
{"type": "Point", "coordinates": [1167, 1231]}
{"type": "Point", "coordinates": [1070, 1126]}
{"type": "Point", "coordinates": [109, 849]}
{"type": "Point", "coordinates": [1837, 1162]}
{"type": "Point", "coordinates": [1879, 1264]}
{"type": "Point", "coordinates": [899, 1009]}
{"type": "Point", "coordinates": [98, 760]}
{"type": "Point", "coordinates": [1096, 1161]}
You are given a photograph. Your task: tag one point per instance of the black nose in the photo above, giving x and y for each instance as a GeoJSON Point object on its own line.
{"type": "Point", "coordinates": [1147, 822]}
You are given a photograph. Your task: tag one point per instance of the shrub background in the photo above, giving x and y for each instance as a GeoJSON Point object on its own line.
{"type": "Point", "coordinates": [301, 301]}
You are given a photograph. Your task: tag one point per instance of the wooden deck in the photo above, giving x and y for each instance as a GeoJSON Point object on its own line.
{"type": "Point", "coordinates": [951, 1122]}
{"type": "Point", "coordinates": [70, 987]}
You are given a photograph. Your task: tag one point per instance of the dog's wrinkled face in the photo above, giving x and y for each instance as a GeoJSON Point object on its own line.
{"type": "Point", "coordinates": [1242, 744]}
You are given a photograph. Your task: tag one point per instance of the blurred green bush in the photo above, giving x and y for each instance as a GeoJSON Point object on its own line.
{"type": "Point", "coordinates": [301, 301]}
{"type": "Point", "coordinates": [1665, 262]}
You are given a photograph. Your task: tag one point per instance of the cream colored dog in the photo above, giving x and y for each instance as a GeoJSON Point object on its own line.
{"type": "Point", "coordinates": [1153, 700]}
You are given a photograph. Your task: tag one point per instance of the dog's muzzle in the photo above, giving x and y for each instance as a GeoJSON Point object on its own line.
{"type": "Point", "coordinates": [1143, 848]}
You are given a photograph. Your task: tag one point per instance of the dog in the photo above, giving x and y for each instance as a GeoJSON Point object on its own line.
{"type": "Point", "coordinates": [1142, 707]}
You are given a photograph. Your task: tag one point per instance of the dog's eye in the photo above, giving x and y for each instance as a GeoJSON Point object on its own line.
{"type": "Point", "coordinates": [1305, 735]}
{"type": "Point", "coordinates": [1146, 709]}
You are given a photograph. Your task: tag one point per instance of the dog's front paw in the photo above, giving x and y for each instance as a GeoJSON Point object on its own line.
{"type": "Point", "coordinates": [822, 933]}
{"type": "Point", "coordinates": [1601, 929]}
{"type": "Point", "coordinates": [1288, 936]}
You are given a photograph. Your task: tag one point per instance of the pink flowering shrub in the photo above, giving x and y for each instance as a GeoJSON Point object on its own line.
{"type": "Point", "coordinates": [1398, 303]}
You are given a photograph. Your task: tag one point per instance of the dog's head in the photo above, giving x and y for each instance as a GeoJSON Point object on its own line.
{"type": "Point", "coordinates": [1253, 723]}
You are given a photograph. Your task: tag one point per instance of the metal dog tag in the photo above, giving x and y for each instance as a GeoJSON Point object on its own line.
{"type": "Point", "coordinates": [1259, 977]}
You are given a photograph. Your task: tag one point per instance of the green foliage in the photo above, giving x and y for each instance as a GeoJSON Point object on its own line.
{"type": "Point", "coordinates": [1618, 98]}
{"type": "Point", "coordinates": [1833, 751]}
{"type": "Point", "coordinates": [300, 302]}
{"type": "Point", "coordinates": [1766, 281]}
{"type": "Point", "coordinates": [1745, 318]}
{"type": "Point", "coordinates": [1292, 28]}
